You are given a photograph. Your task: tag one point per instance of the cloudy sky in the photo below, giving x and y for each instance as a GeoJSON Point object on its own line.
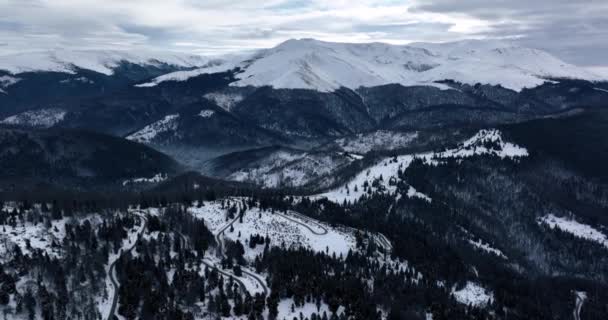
{"type": "Point", "coordinates": [574, 30]}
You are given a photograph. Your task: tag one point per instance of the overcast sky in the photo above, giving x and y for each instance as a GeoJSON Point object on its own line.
{"type": "Point", "coordinates": [574, 30]}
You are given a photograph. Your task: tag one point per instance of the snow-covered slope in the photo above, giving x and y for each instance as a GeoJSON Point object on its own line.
{"type": "Point", "coordinates": [43, 118]}
{"type": "Point", "coordinates": [149, 132]}
{"type": "Point", "coordinates": [384, 175]}
{"type": "Point", "coordinates": [325, 66]}
{"type": "Point", "coordinates": [575, 228]}
{"type": "Point", "coordinates": [100, 61]}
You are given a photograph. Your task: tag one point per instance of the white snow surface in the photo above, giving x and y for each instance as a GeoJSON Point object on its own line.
{"type": "Point", "coordinates": [284, 310]}
{"type": "Point", "coordinates": [479, 244]}
{"type": "Point", "coordinates": [385, 172]}
{"type": "Point", "coordinates": [326, 66]}
{"type": "Point", "coordinates": [102, 61]}
{"type": "Point", "coordinates": [473, 294]}
{"type": "Point", "coordinates": [149, 132]}
{"type": "Point", "coordinates": [206, 113]}
{"type": "Point", "coordinates": [30, 237]}
{"type": "Point", "coordinates": [574, 227]}
{"type": "Point", "coordinates": [281, 230]}
{"type": "Point", "coordinates": [43, 118]}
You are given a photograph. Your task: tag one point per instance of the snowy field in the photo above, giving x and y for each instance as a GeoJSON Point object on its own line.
{"type": "Point", "coordinates": [29, 237]}
{"type": "Point", "coordinates": [385, 172]}
{"type": "Point", "coordinates": [575, 228]}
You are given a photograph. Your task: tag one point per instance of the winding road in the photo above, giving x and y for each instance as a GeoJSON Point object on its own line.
{"type": "Point", "coordinates": [112, 270]}
{"type": "Point", "coordinates": [218, 239]}
{"type": "Point", "coordinates": [580, 300]}
{"type": "Point", "coordinates": [322, 233]}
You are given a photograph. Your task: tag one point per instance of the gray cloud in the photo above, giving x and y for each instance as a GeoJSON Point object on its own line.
{"type": "Point", "coordinates": [575, 30]}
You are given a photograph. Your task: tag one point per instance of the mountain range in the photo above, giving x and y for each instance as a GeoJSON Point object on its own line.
{"type": "Point", "coordinates": [312, 180]}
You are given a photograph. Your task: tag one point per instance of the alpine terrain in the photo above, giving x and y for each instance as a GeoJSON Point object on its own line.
{"type": "Point", "coordinates": [311, 180]}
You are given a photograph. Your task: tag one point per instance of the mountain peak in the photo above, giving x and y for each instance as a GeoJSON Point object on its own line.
{"type": "Point", "coordinates": [327, 66]}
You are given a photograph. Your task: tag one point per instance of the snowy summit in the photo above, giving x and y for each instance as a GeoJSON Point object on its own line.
{"type": "Point", "coordinates": [327, 66]}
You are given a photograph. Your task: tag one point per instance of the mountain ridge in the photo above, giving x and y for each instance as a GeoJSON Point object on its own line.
{"type": "Point", "coordinates": [327, 66]}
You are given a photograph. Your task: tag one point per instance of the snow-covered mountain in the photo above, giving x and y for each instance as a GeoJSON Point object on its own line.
{"type": "Point", "coordinates": [102, 61]}
{"type": "Point", "coordinates": [326, 66]}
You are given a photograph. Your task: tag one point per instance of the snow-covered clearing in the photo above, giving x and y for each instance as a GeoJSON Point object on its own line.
{"type": "Point", "coordinates": [149, 132]}
{"type": "Point", "coordinates": [286, 312]}
{"type": "Point", "coordinates": [382, 176]}
{"type": "Point", "coordinates": [287, 229]}
{"type": "Point", "coordinates": [574, 227]}
{"type": "Point", "coordinates": [29, 237]}
{"type": "Point", "coordinates": [473, 294]}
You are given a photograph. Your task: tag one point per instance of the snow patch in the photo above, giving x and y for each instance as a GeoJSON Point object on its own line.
{"type": "Point", "coordinates": [285, 310]}
{"type": "Point", "coordinates": [42, 118]}
{"type": "Point", "coordinates": [575, 228]}
{"type": "Point", "coordinates": [206, 113]}
{"type": "Point", "coordinates": [473, 295]}
{"type": "Point", "coordinates": [159, 177]}
{"type": "Point", "coordinates": [487, 248]}
{"type": "Point", "coordinates": [224, 100]}
{"type": "Point", "coordinates": [149, 132]}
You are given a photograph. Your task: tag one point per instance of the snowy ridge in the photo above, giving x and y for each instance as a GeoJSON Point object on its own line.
{"type": "Point", "coordinates": [159, 177]}
{"type": "Point", "coordinates": [42, 118]}
{"type": "Point", "coordinates": [487, 248]}
{"type": "Point", "coordinates": [326, 66]}
{"type": "Point", "coordinates": [575, 228]}
{"type": "Point", "coordinates": [149, 132]}
{"type": "Point", "coordinates": [102, 61]}
{"type": "Point", "coordinates": [383, 176]}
